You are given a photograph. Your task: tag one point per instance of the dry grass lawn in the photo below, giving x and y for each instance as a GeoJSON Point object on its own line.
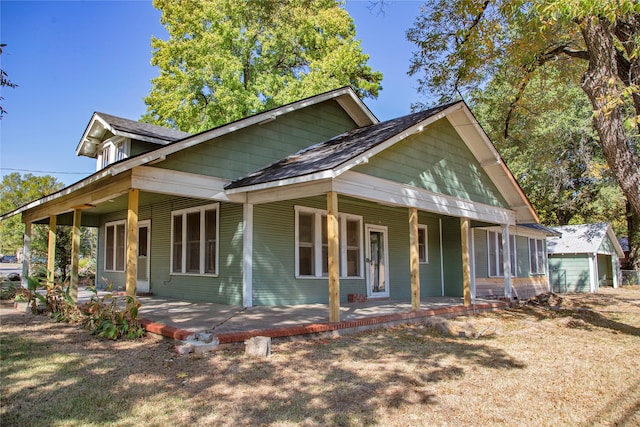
{"type": "Point", "coordinates": [575, 365]}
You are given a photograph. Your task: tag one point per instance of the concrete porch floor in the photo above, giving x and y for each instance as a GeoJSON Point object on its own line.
{"type": "Point", "coordinates": [180, 319]}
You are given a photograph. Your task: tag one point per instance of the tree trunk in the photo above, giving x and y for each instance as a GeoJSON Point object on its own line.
{"type": "Point", "coordinates": [600, 84]}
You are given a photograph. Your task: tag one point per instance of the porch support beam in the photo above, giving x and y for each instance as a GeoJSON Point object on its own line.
{"type": "Point", "coordinates": [75, 254]}
{"type": "Point", "coordinates": [506, 262]}
{"type": "Point", "coordinates": [26, 255]}
{"type": "Point", "coordinates": [414, 259]}
{"type": "Point", "coordinates": [132, 244]}
{"type": "Point", "coordinates": [334, 256]}
{"type": "Point", "coordinates": [466, 260]}
{"type": "Point", "coordinates": [51, 251]}
{"type": "Point", "coordinates": [247, 255]}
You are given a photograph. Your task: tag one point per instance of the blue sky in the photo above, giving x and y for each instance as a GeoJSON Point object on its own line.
{"type": "Point", "coordinates": [71, 58]}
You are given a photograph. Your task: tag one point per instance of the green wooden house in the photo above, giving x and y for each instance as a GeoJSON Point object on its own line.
{"type": "Point", "coordinates": [584, 257]}
{"type": "Point", "coordinates": [307, 203]}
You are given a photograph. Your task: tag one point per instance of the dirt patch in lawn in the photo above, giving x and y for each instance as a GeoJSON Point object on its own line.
{"type": "Point", "coordinates": [572, 363]}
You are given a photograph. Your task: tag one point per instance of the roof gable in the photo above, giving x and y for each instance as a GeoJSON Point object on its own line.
{"type": "Point", "coordinates": [102, 124]}
{"type": "Point", "coordinates": [584, 238]}
{"type": "Point", "coordinates": [333, 157]}
{"type": "Point", "coordinates": [333, 153]}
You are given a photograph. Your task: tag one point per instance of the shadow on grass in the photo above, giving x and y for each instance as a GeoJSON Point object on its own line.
{"type": "Point", "coordinates": [55, 373]}
{"type": "Point", "coordinates": [587, 315]}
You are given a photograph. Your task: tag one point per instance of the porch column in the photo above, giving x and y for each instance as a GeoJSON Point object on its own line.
{"type": "Point", "coordinates": [51, 251]}
{"type": "Point", "coordinates": [132, 244]}
{"type": "Point", "coordinates": [506, 262]}
{"type": "Point", "coordinates": [26, 255]}
{"type": "Point", "coordinates": [334, 256]}
{"type": "Point", "coordinates": [414, 259]}
{"type": "Point", "coordinates": [593, 272]}
{"type": "Point", "coordinates": [247, 255]}
{"type": "Point", "coordinates": [466, 264]}
{"type": "Point", "coordinates": [615, 269]}
{"type": "Point", "coordinates": [75, 254]}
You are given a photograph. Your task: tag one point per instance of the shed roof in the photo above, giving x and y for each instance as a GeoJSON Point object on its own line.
{"type": "Point", "coordinates": [583, 238]}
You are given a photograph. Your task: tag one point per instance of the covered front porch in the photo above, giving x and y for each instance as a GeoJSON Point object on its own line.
{"type": "Point", "coordinates": [180, 319]}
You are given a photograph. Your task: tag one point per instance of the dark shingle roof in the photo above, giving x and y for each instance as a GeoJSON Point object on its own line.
{"type": "Point", "coordinates": [143, 129]}
{"type": "Point", "coordinates": [549, 231]}
{"type": "Point", "coordinates": [334, 152]}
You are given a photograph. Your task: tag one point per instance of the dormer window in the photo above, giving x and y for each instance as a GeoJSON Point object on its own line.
{"type": "Point", "coordinates": [113, 150]}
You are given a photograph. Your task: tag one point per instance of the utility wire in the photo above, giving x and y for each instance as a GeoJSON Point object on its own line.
{"type": "Point", "coordinates": [36, 171]}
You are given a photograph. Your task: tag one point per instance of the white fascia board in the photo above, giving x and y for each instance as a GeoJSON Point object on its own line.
{"type": "Point", "coordinates": [322, 175]}
{"type": "Point", "coordinates": [166, 181]}
{"type": "Point", "coordinates": [301, 190]}
{"type": "Point", "coordinates": [64, 192]}
{"type": "Point", "coordinates": [95, 119]}
{"type": "Point", "coordinates": [356, 109]}
{"type": "Point", "coordinates": [614, 241]}
{"type": "Point", "coordinates": [486, 154]}
{"type": "Point", "coordinates": [387, 192]}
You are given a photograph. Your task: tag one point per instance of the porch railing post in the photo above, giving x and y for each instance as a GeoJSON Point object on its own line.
{"type": "Point", "coordinates": [26, 255]}
{"type": "Point", "coordinates": [414, 259]}
{"type": "Point", "coordinates": [334, 256]}
{"type": "Point", "coordinates": [132, 245]}
{"type": "Point", "coordinates": [51, 250]}
{"type": "Point", "coordinates": [75, 254]}
{"type": "Point", "coordinates": [466, 260]}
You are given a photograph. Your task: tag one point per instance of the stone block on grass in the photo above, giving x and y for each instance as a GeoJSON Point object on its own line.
{"type": "Point", "coordinates": [258, 346]}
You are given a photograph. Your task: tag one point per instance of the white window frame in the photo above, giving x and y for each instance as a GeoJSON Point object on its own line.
{"type": "Point", "coordinates": [114, 251]}
{"type": "Point", "coordinates": [540, 257]}
{"type": "Point", "coordinates": [499, 267]}
{"type": "Point", "coordinates": [202, 261]}
{"type": "Point", "coordinates": [319, 217]}
{"type": "Point", "coordinates": [113, 150]}
{"type": "Point", "coordinates": [343, 218]}
{"type": "Point", "coordinates": [423, 229]}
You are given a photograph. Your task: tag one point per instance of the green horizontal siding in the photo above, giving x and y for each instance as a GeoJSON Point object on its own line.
{"type": "Point", "coordinates": [480, 247]}
{"type": "Point", "coordinates": [246, 150]}
{"type": "Point", "coordinates": [224, 289]}
{"type": "Point", "coordinates": [606, 247]}
{"type": "Point", "coordinates": [274, 281]}
{"type": "Point", "coordinates": [438, 160]}
{"type": "Point", "coordinates": [452, 257]}
{"type": "Point", "coordinates": [576, 270]}
{"type": "Point", "coordinates": [431, 273]}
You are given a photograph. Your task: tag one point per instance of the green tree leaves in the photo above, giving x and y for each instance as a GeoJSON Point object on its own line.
{"type": "Point", "coordinates": [226, 59]}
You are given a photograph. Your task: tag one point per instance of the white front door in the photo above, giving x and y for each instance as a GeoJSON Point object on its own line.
{"type": "Point", "coordinates": [377, 259]}
{"type": "Point", "coordinates": [144, 252]}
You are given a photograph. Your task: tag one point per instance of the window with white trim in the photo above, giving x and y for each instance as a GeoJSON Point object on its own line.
{"type": "Point", "coordinates": [537, 256]}
{"type": "Point", "coordinates": [194, 240]}
{"type": "Point", "coordinates": [312, 248]}
{"type": "Point", "coordinates": [496, 254]}
{"type": "Point", "coordinates": [114, 246]}
{"type": "Point", "coordinates": [351, 226]}
{"type": "Point", "coordinates": [423, 247]}
{"type": "Point", "coordinates": [113, 150]}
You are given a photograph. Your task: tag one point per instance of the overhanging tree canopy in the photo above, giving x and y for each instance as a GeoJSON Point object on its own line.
{"type": "Point", "coordinates": [462, 43]}
{"type": "Point", "coordinates": [228, 59]}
